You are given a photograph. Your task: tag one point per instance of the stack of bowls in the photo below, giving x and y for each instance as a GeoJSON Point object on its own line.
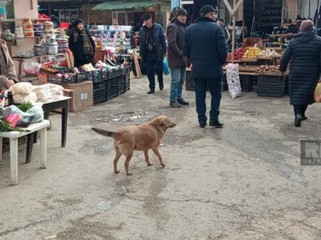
{"type": "Point", "coordinates": [38, 28]}
{"type": "Point", "coordinates": [62, 45]}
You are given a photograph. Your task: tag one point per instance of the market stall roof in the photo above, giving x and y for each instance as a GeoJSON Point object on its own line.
{"type": "Point", "coordinates": [125, 5]}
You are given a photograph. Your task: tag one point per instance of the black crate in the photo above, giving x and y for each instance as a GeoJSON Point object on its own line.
{"type": "Point", "coordinates": [104, 74]}
{"type": "Point", "coordinates": [112, 83]}
{"type": "Point", "coordinates": [95, 76]}
{"type": "Point", "coordinates": [246, 83]}
{"type": "Point", "coordinates": [121, 84]}
{"type": "Point", "coordinates": [62, 80]}
{"type": "Point", "coordinates": [127, 83]}
{"type": "Point", "coordinates": [100, 92]}
{"type": "Point", "coordinates": [126, 70]}
{"type": "Point", "coordinates": [82, 77]}
{"type": "Point", "coordinates": [270, 86]}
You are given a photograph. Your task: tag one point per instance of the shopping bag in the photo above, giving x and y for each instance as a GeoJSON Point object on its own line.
{"type": "Point", "coordinates": [317, 93]}
{"type": "Point", "coordinates": [165, 66]}
{"type": "Point", "coordinates": [233, 80]}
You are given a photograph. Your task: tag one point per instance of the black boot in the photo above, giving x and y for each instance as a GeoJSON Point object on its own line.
{"type": "Point", "coordinates": [182, 101]}
{"type": "Point", "coordinates": [151, 91]}
{"type": "Point", "coordinates": [298, 120]}
{"type": "Point", "coordinates": [304, 108]}
{"type": "Point", "coordinates": [161, 85]}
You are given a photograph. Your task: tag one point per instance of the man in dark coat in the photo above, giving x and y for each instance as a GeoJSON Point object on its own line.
{"type": "Point", "coordinates": [205, 47]}
{"type": "Point", "coordinates": [81, 44]}
{"type": "Point", "coordinates": [176, 58]}
{"type": "Point", "coordinates": [152, 49]}
{"type": "Point", "coordinates": [304, 52]}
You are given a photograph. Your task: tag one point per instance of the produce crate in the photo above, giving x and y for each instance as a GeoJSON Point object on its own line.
{"type": "Point", "coordinates": [127, 82]}
{"type": "Point", "coordinates": [246, 83]}
{"type": "Point", "coordinates": [270, 86]}
{"type": "Point", "coordinates": [112, 88]}
{"type": "Point", "coordinates": [104, 74]}
{"type": "Point", "coordinates": [121, 84]}
{"type": "Point", "coordinates": [95, 76]}
{"type": "Point", "coordinates": [52, 78]}
{"type": "Point", "coordinates": [100, 92]}
{"type": "Point", "coordinates": [82, 77]}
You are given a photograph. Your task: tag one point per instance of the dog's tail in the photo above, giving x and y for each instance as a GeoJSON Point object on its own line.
{"type": "Point", "coordinates": [104, 132]}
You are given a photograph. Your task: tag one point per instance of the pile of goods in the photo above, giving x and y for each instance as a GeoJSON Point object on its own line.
{"type": "Point", "coordinates": [38, 28]}
{"type": "Point", "coordinates": [238, 54]}
{"type": "Point", "coordinates": [269, 53]}
{"type": "Point", "coordinates": [267, 68]}
{"type": "Point", "coordinates": [252, 52]}
{"type": "Point", "coordinates": [27, 28]}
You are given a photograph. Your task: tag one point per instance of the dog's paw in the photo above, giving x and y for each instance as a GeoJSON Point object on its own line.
{"type": "Point", "coordinates": [150, 164]}
{"type": "Point", "coordinates": [129, 174]}
{"type": "Point", "coordinates": [116, 172]}
{"type": "Point", "coordinates": [163, 165]}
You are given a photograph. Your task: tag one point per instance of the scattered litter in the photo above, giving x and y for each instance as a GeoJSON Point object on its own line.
{"type": "Point", "coordinates": [137, 117]}
{"type": "Point", "coordinates": [104, 205]}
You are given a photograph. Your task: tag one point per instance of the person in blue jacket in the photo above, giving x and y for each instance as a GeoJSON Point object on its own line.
{"type": "Point", "coordinates": [205, 47]}
{"type": "Point", "coordinates": [152, 50]}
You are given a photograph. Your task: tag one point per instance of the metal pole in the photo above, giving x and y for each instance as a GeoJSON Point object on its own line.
{"type": "Point", "coordinates": [233, 39]}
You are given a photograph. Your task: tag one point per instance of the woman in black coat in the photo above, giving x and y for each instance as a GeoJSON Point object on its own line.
{"type": "Point", "coordinates": [304, 55]}
{"type": "Point", "coordinates": [81, 44]}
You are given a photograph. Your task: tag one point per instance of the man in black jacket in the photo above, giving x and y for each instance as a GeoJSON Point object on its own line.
{"type": "Point", "coordinates": [176, 58]}
{"type": "Point", "coordinates": [152, 49]}
{"type": "Point", "coordinates": [205, 47]}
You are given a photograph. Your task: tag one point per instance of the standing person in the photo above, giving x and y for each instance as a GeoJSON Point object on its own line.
{"type": "Point", "coordinates": [176, 58]}
{"type": "Point", "coordinates": [152, 49]}
{"type": "Point", "coordinates": [220, 21]}
{"type": "Point", "coordinates": [8, 75]}
{"type": "Point", "coordinates": [205, 47]}
{"type": "Point", "coordinates": [81, 44]}
{"type": "Point", "coordinates": [304, 52]}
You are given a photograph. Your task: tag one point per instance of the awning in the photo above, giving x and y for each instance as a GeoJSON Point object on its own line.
{"type": "Point", "coordinates": [125, 5]}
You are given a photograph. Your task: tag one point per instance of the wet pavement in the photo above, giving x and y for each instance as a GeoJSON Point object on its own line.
{"type": "Point", "coordinates": [244, 181]}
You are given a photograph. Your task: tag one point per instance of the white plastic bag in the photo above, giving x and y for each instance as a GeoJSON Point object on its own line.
{"type": "Point", "coordinates": [31, 68]}
{"type": "Point", "coordinates": [233, 80]}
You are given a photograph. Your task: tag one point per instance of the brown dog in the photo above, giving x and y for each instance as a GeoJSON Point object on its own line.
{"type": "Point", "coordinates": [138, 137]}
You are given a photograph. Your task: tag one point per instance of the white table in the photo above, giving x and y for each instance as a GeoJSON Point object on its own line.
{"type": "Point", "coordinates": [13, 137]}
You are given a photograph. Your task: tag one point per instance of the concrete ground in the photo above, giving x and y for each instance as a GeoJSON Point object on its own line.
{"type": "Point", "coordinates": [240, 182]}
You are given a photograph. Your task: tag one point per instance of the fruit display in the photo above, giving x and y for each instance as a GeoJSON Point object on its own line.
{"type": "Point", "coordinates": [252, 52]}
{"type": "Point", "coordinates": [237, 54]}
{"type": "Point", "coordinates": [268, 68]}
{"type": "Point", "coordinates": [269, 53]}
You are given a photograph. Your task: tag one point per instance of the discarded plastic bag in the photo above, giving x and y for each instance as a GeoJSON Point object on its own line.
{"type": "Point", "coordinates": [317, 93]}
{"type": "Point", "coordinates": [233, 80]}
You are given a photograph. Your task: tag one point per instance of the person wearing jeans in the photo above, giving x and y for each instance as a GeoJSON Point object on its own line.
{"type": "Point", "coordinates": [176, 59]}
{"type": "Point", "coordinates": [206, 48]}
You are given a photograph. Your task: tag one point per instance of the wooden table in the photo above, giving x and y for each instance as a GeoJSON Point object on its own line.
{"type": "Point", "coordinates": [13, 137]}
{"type": "Point", "coordinates": [48, 108]}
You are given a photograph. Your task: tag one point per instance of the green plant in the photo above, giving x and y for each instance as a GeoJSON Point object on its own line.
{"type": "Point", "coordinates": [25, 106]}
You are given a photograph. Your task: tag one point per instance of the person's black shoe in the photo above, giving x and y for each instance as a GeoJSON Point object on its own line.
{"type": "Point", "coordinates": [216, 125]}
{"type": "Point", "coordinates": [297, 121]}
{"type": "Point", "coordinates": [202, 124]}
{"type": "Point", "coordinates": [182, 101]}
{"type": "Point", "coordinates": [304, 118]}
{"type": "Point", "coordinates": [151, 91]}
{"type": "Point", "coordinates": [161, 86]}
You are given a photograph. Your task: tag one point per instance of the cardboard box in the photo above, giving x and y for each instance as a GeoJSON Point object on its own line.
{"type": "Point", "coordinates": [82, 95]}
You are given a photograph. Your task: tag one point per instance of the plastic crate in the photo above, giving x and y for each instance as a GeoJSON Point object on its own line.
{"type": "Point", "coordinates": [100, 92]}
{"type": "Point", "coordinates": [95, 76]}
{"type": "Point", "coordinates": [62, 80]}
{"type": "Point", "coordinates": [270, 86]}
{"type": "Point", "coordinates": [104, 74]}
{"type": "Point", "coordinates": [127, 83]}
{"type": "Point", "coordinates": [112, 88]}
{"type": "Point", "coordinates": [121, 84]}
{"type": "Point", "coordinates": [246, 83]}
{"type": "Point", "coordinates": [82, 77]}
